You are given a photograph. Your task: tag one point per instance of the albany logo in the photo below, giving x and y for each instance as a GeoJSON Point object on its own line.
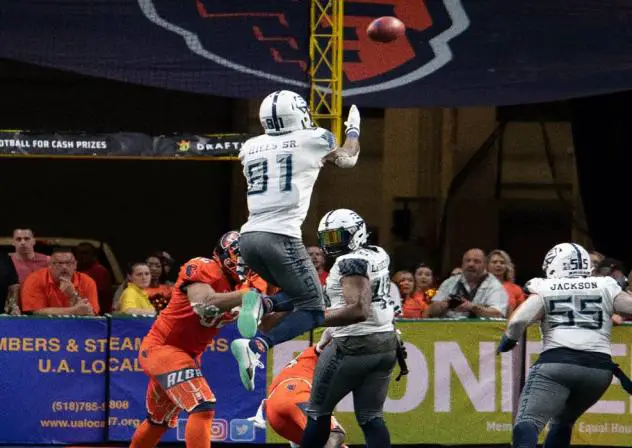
{"type": "Point", "coordinates": [270, 40]}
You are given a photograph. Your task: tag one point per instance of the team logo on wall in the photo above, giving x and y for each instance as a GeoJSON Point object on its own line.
{"type": "Point", "coordinates": [270, 40]}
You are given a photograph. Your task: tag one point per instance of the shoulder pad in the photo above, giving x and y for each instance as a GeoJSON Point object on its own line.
{"type": "Point", "coordinates": [353, 266]}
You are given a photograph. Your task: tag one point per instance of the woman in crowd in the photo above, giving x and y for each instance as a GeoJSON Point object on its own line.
{"type": "Point", "coordinates": [416, 290]}
{"type": "Point", "coordinates": [159, 290]}
{"type": "Point", "coordinates": [499, 264]}
{"type": "Point", "coordinates": [135, 299]}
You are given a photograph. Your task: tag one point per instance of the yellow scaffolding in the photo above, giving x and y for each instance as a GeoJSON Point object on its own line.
{"type": "Point", "coordinates": [325, 69]}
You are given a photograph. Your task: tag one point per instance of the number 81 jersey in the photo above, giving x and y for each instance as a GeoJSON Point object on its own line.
{"type": "Point", "coordinates": [281, 171]}
{"type": "Point", "coordinates": [372, 262]}
{"type": "Point", "coordinates": [578, 312]}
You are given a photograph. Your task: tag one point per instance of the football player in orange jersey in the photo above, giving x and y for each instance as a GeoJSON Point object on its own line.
{"type": "Point", "coordinates": [204, 299]}
{"type": "Point", "coordinates": [289, 393]}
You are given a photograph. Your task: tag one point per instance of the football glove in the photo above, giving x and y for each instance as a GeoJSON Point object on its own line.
{"type": "Point", "coordinates": [506, 344]}
{"type": "Point", "coordinates": [353, 122]}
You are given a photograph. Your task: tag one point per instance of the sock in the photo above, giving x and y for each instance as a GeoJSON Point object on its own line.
{"type": "Point", "coordinates": [525, 435]}
{"type": "Point", "coordinates": [197, 433]}
{"type": "Point", "coordinates": [316, 432]}
{"type": "Point", "coordinates": [559, 436]}
{"type": "Point", "coordinates": [147, 435]}
{"type": "Point", "coordinates": [258, 345]}
{"type": "Point", "coordinates": [292, 325]}
{"type": "Point", "coordinates": [376, 433]}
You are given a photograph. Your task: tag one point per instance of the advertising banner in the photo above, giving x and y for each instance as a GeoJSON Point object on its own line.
{"type": "Point", "coordinates": [53, 382]}
{"type": "Point", "coordinates": [128, 385]}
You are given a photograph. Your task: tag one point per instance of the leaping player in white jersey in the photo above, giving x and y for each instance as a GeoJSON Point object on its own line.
{"type": "Point", "coordinates": [575, 367]}
{"type": "Point", "coordinates": [364, 348]}
{"type": "Point", "coordinates": [281, 168]}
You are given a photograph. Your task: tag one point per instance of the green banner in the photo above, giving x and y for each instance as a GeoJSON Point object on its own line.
{"type": "Point", "coordinates": [608, 422]}
{"type": "Point", "coordinates": [458, 391]}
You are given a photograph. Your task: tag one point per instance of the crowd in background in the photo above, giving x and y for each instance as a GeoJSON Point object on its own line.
{"type": "Point", "coordinates": [72, 281]}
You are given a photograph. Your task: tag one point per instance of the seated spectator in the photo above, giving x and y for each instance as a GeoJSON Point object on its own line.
{"type": "Point", "coordinates": [413, 304]}
{"type": "Point", "coordinates": [595, 259]}
{"type": "Point", "coordinates": [615, 269]}
{"type": "Point", "coordinates": [472, 293]}
{"type": "Point", "coordinates": [59, 289]}
{"type": "Point", "coordinates": [135, 299]}
{"type": "Point", "coordinates": [318, 259]}
{"type": "Point", "coordinates": [25, 259]}
{"type": "Point", "coordinates": [159, 291]}
{"type": "Point", "coordinates": [87, 263]}
{"type": "Point", "coordinates": [500, 265]}
{"type": "Point", "coordinates": [9, 286]}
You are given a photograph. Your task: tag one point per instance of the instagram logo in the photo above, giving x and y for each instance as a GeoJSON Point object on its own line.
{"type": "Point", "coordinates": [219, 430]}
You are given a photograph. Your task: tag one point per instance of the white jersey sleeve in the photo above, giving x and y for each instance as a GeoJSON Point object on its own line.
{"type": "Point", "coordinates": [280, 172]}
{"type": "Point", "coordinates": [373, 262]}
{"type": "Point", "coordinates": [577, 312]}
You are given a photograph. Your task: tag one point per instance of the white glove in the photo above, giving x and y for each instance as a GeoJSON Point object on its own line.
{"type": "Point", "coordinates": [353, 121]}
{"type": "Point", "coordinates": [258, 419]}
{"type": "Point", "coordinates": [325, 339]}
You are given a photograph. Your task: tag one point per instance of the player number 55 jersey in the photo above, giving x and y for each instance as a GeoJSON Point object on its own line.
{"type": "Point", "coordinates": [578, 312]}
{"type": "Point", "coordinates": [373, 262]}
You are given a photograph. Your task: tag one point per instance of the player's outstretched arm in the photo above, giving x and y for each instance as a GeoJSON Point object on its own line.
{"type": "Point", "coordinates": [623, 304]}
{"type": "Point", "coordinates": [202, 294]}
{"type": "Point", "coordinates": [346, 156]}
{"type": "Point", "coordinates": [356, 290]}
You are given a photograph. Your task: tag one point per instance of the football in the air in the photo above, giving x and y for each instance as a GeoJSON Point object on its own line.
{"type": "Point", "coordinates": [386, 29]}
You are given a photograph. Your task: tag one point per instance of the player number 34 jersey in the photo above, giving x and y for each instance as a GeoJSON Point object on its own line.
{"type": "Point", "coordinates": [373, 262]}
{"type": "Point", "coordinates": [577, 311]}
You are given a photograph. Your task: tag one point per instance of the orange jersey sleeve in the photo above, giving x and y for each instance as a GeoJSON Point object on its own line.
{"type": "Point", "coordinates": [178, 325]}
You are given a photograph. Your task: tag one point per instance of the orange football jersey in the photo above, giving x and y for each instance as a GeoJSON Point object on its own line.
{"type": "Point", "coordinates": [300, 367]}
{"type": "Point", "coordinates": [178, 325]}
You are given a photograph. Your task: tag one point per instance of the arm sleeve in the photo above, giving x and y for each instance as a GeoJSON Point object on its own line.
{"type": "Point", "coordinates": [32, 294]}
{"type": "Point", "coordinates": [529, 312]}
{"type": "Point", "coordinates": [353, 266]}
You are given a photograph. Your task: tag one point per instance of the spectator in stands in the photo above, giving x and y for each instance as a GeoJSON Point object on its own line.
{"type": "Point", "coordinates": [59, 289]}
{"type": "Point", "coordinates": [25, 259]}
{"type": "Point", "coordinates": [159, 290]}
{"type": "Point", "coordinates": [318, 259]}
{"type": "Point", "coordinates": [87, 263]}
{"type": "Point", "coordinates": [500, 265]}
{"type": "Point", "coordinates": [456, 270]}
{"type": "Point", "coordinates": [413, 304]}
{"type": "Point", "coordinates": [9, 286]}
{"type": "Point", "coordinates": [135, 299]}
{"type": "Point", "coordinates": [615, 269]}
{"type": "Point", "coordinates": [595, 259]}
{"type": "Point", "coordinates": [472, 293]}
{"type": "Point", "coordinates": [425, 281]}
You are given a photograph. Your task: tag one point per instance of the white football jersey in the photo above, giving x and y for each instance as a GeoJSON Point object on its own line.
{"type": "Point", "coordinates": [372, 261]}
{"type": "Point", "coordinates": [578, 312]}
{"type": "Point", "coordinates": [281, 171]}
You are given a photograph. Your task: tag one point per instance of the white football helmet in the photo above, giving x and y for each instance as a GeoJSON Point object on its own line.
{"type": "Point", "coordinates": [567, 260]}
{"type": "Point", "coordinates": [341, 231]}
{"type": "Point", "coordinates": [284, 111]}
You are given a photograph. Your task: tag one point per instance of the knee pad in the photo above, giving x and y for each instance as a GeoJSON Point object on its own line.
{"type": "Point", "coordinates": [203, 407]}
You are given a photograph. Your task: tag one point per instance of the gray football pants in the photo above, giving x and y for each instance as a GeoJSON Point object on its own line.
{"type": "Point", "coordinates": [283, 261]}
{"type": "Point", "coordinates": [561, 393]}
{"type": "Point", "coordinates": [358, 364]}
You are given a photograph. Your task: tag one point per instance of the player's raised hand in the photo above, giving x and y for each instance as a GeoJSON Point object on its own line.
{"type": "Point", "coordinates": [353, 122]}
